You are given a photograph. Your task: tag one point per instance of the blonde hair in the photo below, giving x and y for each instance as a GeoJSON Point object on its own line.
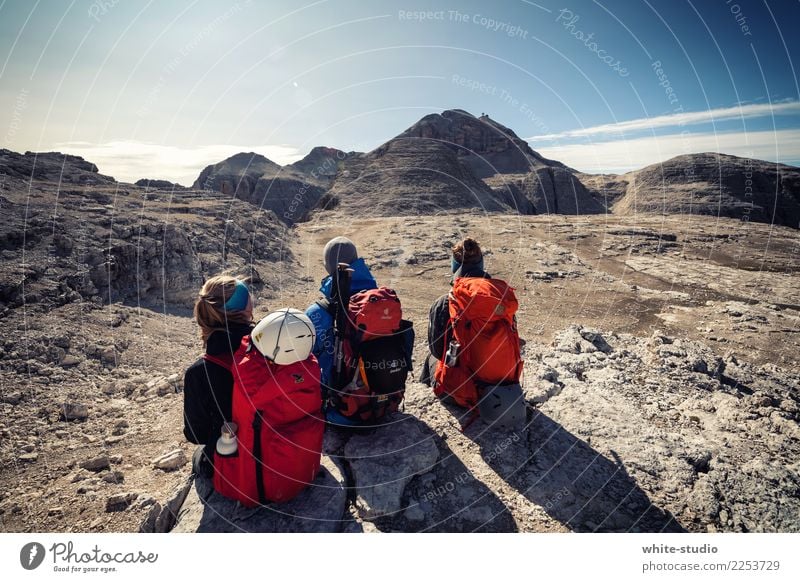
{"type": "Point", "coordinates": [467, 251]}
{"type": "Point", "coordinates": [209, 309]}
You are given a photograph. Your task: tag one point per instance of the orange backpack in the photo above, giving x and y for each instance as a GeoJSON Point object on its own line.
{"type": "Point", "coordinates": [482, 324]}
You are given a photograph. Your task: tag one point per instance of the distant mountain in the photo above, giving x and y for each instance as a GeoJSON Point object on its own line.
{"type": "Point", "coordinates": [290, 191]}
{"type": "Point", "coordinates": [321, 163]}
{"type": "Point", "coordinates": [454, 160]}
{"type": "Point", "coordinates": [709, 184]}
{"type": "Point", "coordinates": [237, 175]}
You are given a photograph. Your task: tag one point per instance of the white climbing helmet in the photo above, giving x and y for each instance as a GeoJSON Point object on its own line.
{"type": "Point", "coordinates": [284, 336]}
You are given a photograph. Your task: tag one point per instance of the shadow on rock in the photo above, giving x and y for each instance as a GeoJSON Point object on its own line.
{"type": "Point", "coordinates": [407, 479]}
{"type": "Point", "coordinates": [319, 508]}
{"type": "Point", "coordinates": [575, 484]}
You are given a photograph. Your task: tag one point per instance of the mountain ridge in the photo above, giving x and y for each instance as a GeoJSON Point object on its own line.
{"type": "Point", "coordinates": [454, 161]}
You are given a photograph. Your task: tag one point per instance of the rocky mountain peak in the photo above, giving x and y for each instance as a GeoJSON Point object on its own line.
{"type": "Point", "coordinates": [485, 145]}
{"type": "Point", "coordinates": [321, 162]}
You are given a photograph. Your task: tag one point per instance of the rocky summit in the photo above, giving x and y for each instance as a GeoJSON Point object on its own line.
{"type": "Point", "coordinates": [483, 144]}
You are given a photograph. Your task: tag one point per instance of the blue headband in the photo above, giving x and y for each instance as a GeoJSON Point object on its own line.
{"type": "Point", "coordinates": [455, 265]}
{"type": "Point", "coordinates": [238, 301]}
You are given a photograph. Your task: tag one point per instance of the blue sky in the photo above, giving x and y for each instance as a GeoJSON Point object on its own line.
{"type": "Point", "coordinates": [160, 89]}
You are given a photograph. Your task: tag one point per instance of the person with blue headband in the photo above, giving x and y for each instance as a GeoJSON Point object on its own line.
{"type": "Point", "coordinates": [466, 260]}
{"type": "Point", "coordinates": [224, 312]}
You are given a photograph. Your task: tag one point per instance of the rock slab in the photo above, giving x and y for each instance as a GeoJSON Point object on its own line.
{"type": "Point", "coordinates": [320, 508]}
{"type": "Point", "coordinates": [385, 460]}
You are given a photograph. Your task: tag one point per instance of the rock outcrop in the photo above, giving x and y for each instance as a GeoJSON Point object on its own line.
{"type": "Point", "coordinates": [114, 242]}
{"type": "Point", "coordinates": [716, 185]}
{"type": "Point", "coordinates": [51, 167]}
{"type": "Point", "coordinates": [385, 460]}
{"type": "Point", "coordinates": [237, 175]}
{"type": "Point", "coordinates": [547, 190]}
{"type": "Point", "coordinates": [713, 441]}
{"type": "Point", "coordinates": [321, 163]}
{"type": "Point", "coordinates": [158, 184]}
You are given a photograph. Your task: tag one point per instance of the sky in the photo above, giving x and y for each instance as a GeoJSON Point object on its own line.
{"type": "Point", "coordinates": [161, 89]}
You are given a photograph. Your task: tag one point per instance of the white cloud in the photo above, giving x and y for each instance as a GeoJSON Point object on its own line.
{"type": "Point", "coordinates": [676, 120]}
{"type": "Point", "coordinates": [616, 157]}
{"type": "Point", "coordinates": [129, 161]}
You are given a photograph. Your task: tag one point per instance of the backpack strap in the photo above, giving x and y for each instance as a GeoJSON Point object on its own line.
{"type": "Point", "coordinates": [258, 455]}
{"type": "Point", "coordinates": [223, 360]}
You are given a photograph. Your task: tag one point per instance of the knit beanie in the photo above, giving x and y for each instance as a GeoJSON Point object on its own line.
{"type": "Point", "coordinates": [338, 250]}
{"type": "Point", "coordinates": [468, 253]}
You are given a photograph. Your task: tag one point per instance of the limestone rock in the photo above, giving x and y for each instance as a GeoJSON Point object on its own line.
{"type": "Point", "coordinates": [73, 411]}
{"type": "Point", "coordinates": [714, 184]}
{"type": "Point", "coordinates": [170, 461]}
{"type": "Point", "coordinates": [11, 398]}
{"type": "Point", "coordinates": [95, 464]}
{"type": "Point", "coordinates": [385, 460]}
{"type": "Point", "coordinates": [120, 501]}
{"type": "Point", "coordinates": [319, 508]}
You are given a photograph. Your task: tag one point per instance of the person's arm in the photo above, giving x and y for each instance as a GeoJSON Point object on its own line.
{"type": "Point", "coordinates": [196, 417]}
{"type": "Point", "coordinates": [438, 320]}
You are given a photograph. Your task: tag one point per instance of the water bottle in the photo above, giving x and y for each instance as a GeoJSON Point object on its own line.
{"type": "Point", "coordinates": [227, 444]}
{"type": "Point", "coordinates": [451, 358]}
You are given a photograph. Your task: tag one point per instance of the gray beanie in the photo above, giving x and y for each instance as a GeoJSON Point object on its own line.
{"type": "Point", "coordinates": [338, 250]}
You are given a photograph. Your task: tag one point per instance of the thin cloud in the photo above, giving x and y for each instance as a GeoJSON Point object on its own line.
{"type": "Point", "coordinates": [676, 120]}
{"type": "Point", "coordinates": [129, 161]}
{"type": "Point", "coordinates": [617, 157]}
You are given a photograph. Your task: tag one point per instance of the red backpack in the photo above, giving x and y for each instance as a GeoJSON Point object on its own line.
{"type": "Point", "coordinates": [482, 323]}
{"type": "Point", "coordinates": [376, 357]}
{"type": "Point", "coordinates": [375, 312]}
{"type": "Point", "coordinates": [278, 413]}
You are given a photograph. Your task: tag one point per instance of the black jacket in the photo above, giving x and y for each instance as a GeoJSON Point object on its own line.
{"type": "Point", "coordinates": [207, 389]}
{"type": "Point", "coordinates": [439, 315]}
